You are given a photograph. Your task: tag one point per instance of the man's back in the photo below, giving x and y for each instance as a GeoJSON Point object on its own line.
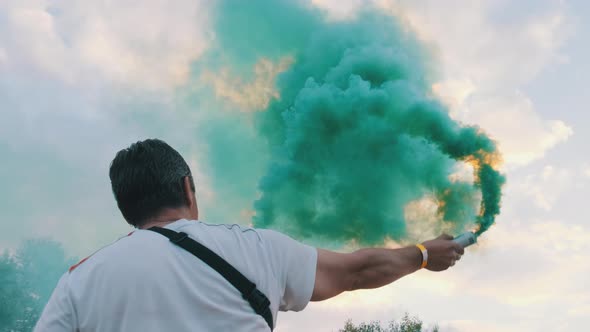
{"type": "Point", "coordinates": [143, 282]}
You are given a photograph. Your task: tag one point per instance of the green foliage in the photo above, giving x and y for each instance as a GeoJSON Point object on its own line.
{"type": "Point", "coordinates": [407, 324]}
{"type": "Point", "coordinates": [374, 326]}
{"type": "Point", "coordinates": [27, 279]}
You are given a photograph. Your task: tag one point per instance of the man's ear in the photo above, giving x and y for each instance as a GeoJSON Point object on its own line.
{"type": "Point", "coordinates": [188, 192]}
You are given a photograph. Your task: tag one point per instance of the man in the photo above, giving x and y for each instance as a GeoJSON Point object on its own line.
{"type": "Point", "coordinates": [144, 282]}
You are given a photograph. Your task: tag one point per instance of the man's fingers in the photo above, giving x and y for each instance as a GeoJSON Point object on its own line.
{"type": "Point", "coordinates": [445, 237]}
{"type": "Point", "coordinates": [458, 248]}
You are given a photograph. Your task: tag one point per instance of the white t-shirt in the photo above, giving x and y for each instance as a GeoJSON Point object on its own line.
{"type": "Point", "coordinates": [143, 282]}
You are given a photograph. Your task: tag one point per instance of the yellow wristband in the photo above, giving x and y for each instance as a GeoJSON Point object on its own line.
{"type": "Point", "coordinates": [424, 255]}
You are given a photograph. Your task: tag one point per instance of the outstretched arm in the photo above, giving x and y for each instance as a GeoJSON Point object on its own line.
{"type": "Point", "coordinates": [376, 267]}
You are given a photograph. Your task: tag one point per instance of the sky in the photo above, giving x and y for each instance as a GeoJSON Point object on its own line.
{"type": "Point", "coordinates": [81, 80]}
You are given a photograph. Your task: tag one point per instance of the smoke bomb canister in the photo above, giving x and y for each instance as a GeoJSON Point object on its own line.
{"type": "Point", "coordinates": [466, 239]}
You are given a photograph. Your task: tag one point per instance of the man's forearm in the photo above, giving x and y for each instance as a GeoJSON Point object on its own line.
{"type": "Point", "coordinates": [372, 268]}
{"type": "Point", "coordinates": [379, 267]}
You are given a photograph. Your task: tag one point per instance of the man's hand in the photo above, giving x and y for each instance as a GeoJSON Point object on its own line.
{"type": "Point", "coordinates": [442, 253]}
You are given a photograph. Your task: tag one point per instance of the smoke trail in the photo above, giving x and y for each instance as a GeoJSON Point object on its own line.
{"type": "Point", "coordinates": [355, 133]}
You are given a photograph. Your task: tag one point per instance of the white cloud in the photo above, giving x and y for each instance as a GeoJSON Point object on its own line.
{"type": "Point", "coordinates": [545, 187]}
{"type": "Point", "coordinates": [3, 56]}
{"type": "Point", "coordinates": [148, 45]}
{"type": "Point", "coordinates": [541, 267]}
{"type": "Point", "coordinates": [472, 45]}
{"type": "Point", "coordinates": [522, 134]}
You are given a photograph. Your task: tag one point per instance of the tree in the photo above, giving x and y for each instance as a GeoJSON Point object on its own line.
{"type": "Point", "coordinates": [27, 279]}
{"type": "Point", "coordinates": [407, 324]}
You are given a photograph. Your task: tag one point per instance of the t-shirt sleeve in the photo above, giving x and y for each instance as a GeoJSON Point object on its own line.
{"type": "Point", "coordinates": [58, 314]}
{"type": "Point", "coordinates": [294, 264]}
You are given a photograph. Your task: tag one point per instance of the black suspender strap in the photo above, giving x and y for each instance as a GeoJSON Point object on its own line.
{"type": "Point", "coordinates": [258, 301]}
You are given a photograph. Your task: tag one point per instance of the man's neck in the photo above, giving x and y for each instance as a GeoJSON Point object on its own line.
{"type": "Point", "coordinates": [166, 217]}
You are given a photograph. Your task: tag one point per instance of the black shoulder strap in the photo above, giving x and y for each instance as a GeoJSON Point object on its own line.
{"type": "Point", "coordinates": [253, 295]}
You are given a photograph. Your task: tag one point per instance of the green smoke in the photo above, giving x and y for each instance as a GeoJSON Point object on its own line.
{"type": "Point", "coordinates": [355, 134]}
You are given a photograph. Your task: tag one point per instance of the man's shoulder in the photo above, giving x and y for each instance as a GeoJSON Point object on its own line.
{"type": "Point", "coordinates": [266, 239]}
{"type": "Point", "coordinates": [229, 227]}
{"type": "Point", "coordinates": [83, 260]}
{"type": "Point", "coordinates": [202, 230]}
{"type": "Point", "coordinates": [259, 234]}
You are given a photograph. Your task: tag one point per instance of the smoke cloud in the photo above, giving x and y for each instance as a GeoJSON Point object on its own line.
{"type": "Point", "coordinates": [351, 131]}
